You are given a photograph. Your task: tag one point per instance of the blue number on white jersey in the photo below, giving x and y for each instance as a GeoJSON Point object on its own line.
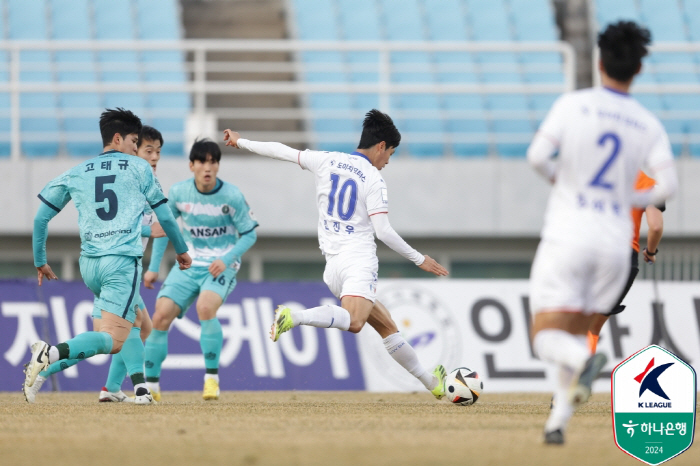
{"type": "Point", "coordinates": [598, 181]}
{"type": "Point", "coordinates": [349, 184]}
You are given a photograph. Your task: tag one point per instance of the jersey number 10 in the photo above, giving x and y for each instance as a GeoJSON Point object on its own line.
{"type": "Point", "coordinates": [349, 184]}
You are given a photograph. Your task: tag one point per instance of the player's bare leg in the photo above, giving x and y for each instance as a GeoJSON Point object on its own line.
{"type": "Point", "coordinates": [403, 353]}
{"type": "Point", "coordinates": [559, 337]}
{"type": "Point", "coordinates": [594, 330]}
{"type": "Point", "coordinates": [157, 342]}
{"type": "Point", "coordinates": [211, 341]}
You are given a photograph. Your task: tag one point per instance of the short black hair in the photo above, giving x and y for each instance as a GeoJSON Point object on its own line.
{"type": "Point", "coordinates": [149, 133]}
{"type": "Point", "coordinates": [202, 147]}
{"type": "Point", "coordinates": [378, 127]}
{"type": "Point", "coordinates": [119, 121]}
{"type": "Point", "coordinates": [622, 46]}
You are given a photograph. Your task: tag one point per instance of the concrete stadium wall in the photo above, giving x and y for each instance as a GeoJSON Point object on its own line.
{"type": "Point", "coordinates": [428, 198]}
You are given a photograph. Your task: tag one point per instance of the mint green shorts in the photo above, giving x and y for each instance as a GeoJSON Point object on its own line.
{"type": "Point", "coordinates": [97, 312]}
{"type": "Point", "coordinates": [183, 286]}
{"type": "Point", "coordinates": [114, 280]}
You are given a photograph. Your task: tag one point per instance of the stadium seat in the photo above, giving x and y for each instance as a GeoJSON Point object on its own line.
{"type": "Point", "coordinates": [420, 114]}
{"type": "Point", "coordinates": [158, 19]}
{"type": "Point", "coordinates": [472, 122]}
{"type": "Point", "coordinates": [403, 20]}
{"type": "Point", "coordinates": [489, 20]}
{"type": "Point", "coordinates": [610, 11]}
{"type": "Point", "coordinates": [510, 119]}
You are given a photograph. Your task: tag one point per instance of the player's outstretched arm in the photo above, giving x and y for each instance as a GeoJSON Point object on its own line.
{"type": "Point", "coordinates": [39, 235]}
{"type": "Point", "coordinates": [169, 225]}
{"type": "Point", "coordinates": [388, 236]}
{"type": "Point", "coordinates": [274, 150]}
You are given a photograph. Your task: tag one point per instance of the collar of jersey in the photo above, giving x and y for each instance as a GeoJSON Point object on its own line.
{"type": "Point", "coordinates": [362, 155]}
{"type": "Point", "coordinates": [113, 151]}
{"type": "Point", "coordinates": [217, 188]}
{"type": "Point", "coordinates": [615, 91]}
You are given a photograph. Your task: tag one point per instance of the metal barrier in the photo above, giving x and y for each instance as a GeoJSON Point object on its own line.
{"type": "Point", "coordinates": [209, 76]}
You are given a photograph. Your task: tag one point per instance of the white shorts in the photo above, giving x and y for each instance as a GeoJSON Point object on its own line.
{"type": "Point", "coordinates": [352, 274]}
{"type": "Point", "coordinates": [574, 278]}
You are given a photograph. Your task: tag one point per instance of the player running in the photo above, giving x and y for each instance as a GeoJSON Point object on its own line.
{"type": "Point", "coordinates": [219, 228]}
{"type": "Point", "coordinates": [109, 192]}
{"type": "Point", "coordinates": [353, 205]}
{"type": "Point", "coordinates": [655, 221]}
{"type": "Point", "coordinates": [603, 138]}
{"type": "Point", "coordinates": [148, 148]}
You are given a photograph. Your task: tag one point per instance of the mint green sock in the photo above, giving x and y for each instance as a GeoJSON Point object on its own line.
{"type": "Point", "coordinates": [88, 344]}
{"type": "Point", "coordinates": [58, 366]}
{"type": "Point", "coordinates": [156, 351]}
{"type": "Point", "coordinates": [132, 352]}
{"type": "Point", "coordinates": [117, 368]}
{"type": "Point", "coordinates": [211, 341]}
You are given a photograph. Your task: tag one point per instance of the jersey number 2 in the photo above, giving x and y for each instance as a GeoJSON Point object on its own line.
{"type": "Point", "coordinates": [349, 184]}
{"type": "Point", "coordinates": [598, 181]}
{"type": "Point", "coordinates": [102, 194]}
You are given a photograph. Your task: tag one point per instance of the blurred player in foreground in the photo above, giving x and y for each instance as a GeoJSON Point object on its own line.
{"type": "Point", "coordinates": [353, 205]}
{"type": "Point", "coordinates": [219, 228]}
{"type": "Point", "coordinates": [109, 192]}
{"type": "Point", "coordinates": [655, 221]}
{"type": "Point", "coordinates": [603, 137]}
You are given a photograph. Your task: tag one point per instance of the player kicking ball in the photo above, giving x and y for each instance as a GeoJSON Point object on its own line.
{"type": "Point", "coordinates": [110, 192]}
{"type": "Point", "coordinates": [603, 138]}
{"type": "Point", "coordinates": [353, 205]}
{"type": "Point", "coordinates": [219, 227]}
{"type": "Point", "coordinates": [148, 148]}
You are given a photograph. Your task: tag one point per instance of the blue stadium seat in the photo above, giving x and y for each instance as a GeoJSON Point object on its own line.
{"type": "Point", "coordinates": [651, 102]}
{"type": "Point", "coordinates": [356, 26]}
{"type": "Point", "coordinates": [90, 106]}
{"type": "Point", "coordinates": [411, 67]}
{"type": "Point", "coordinates": [533, 20]}
{"type": "Point", "coordinates": [518, 104]}
{"type": "Point", "coordinates": [499, 67]}
{"type": "Point", "coordinates": [692, 18]}
{"type": "Point", "coordinates": [489, 20]}
{"type": "Point", "coordinates": [316, 20]}
{"type": "Point", "coordinates": [428, 105]}
{"type": "Point", "coordinates": [664, 19]}
{"type": "Point", "coordinates": [610, 11]}
{"type": "Point", "coordinates": [403, 20]}
{"type": "Point", "coordinates": [474, 122]}
{"type": "Point", "coordinates": [158, 19]}
{"type": "Point", "coordinates": [446, 20]}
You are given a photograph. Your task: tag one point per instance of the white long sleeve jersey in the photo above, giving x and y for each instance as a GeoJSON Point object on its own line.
{"type": "Point", "coordinates": [603, 138]}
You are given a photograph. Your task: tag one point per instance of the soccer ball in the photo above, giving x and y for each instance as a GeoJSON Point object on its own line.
{"type": "Point", "coordinates": [463, 386]}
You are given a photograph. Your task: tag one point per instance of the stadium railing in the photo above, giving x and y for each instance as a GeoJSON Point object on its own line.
{"type": "Point", "coordinates": [200, 84]}
{"type": "Point", "coordinates": [669, 86]}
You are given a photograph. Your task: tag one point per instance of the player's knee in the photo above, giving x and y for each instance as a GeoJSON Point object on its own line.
{"type": "Point", "coordinates": [206, 312]}
{"type": "Point", "coordinates": [356, 326]}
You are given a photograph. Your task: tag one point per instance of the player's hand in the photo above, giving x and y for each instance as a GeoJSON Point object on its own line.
{"type": "Point", "coordinates": [45, 271]}
{"type": "Point", "coordinates": [217, 267]}
{"type": "Point", "coordinates": [157, 231]}
{"type": "Point", "coordinates": [431, 265]}
{"type": "Point", "coordinates": [149, 278]}
{"type": "Point", "coordinates": [647, 258]}
{"type": "Point", "coordinates": [231, 138]}
{"type": "Point", "coordinates": [184, 260]}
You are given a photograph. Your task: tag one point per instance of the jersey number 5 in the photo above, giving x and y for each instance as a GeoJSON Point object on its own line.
{"type": "Point", "coordinates": [349, 184]}
{"type": "Point", "coordinates": [102, 194]}
{"type": "Point", "coordinates": [598, 181]}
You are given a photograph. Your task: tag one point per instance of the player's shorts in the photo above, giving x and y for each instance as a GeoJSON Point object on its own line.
{"type": "Point", "coordinates": [183, 286]}
{"type": "Point", "coordinates": [568, 277]}
{"type": "Point", "coordinates": [630, 280]}
{"type": "Point", "coordinates": [97, 312]}
{"type": "Point", "coordinates": [115, 281]}
{"type": "Point", "coordinates": [352, 274]}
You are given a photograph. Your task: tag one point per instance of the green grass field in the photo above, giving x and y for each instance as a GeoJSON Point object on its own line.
{"type": "Point", "coordinates": [303, 428]}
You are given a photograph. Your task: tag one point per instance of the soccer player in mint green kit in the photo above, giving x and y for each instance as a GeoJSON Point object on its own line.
{"type": "Point", "coordinates": [109, 192]}
{"type": "Point", "coordinates": [219, 228]}
{"type": "Point", "coordinates": [148, 148]}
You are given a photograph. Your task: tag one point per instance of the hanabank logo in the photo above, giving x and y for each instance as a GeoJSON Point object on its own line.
{"type": "Point", "coordinates": [649, 381]}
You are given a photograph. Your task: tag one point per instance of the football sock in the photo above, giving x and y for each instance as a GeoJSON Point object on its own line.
{"type": "Point", "coordinates": [562, 348]}
{"type": "Point", "coordinates": [86, 345]}
{"type": "Point", "coordinates": [211, 376]}
{"type": "Point", "coordinates": [132, 352]}
{"type": "Point", "coordinates": [211, 342]}
{"type": "Point", "coordinates": [562, 410]}
{"type": "Point", "coordinates": [58, 366]}
{"type": "Point", "coordinates": [117, 372]}
{"type": "Point", "coordinates": [403, 353]}
{"type": "Point", "coordinates": [138, 380]}
{"type": "Point", "coordinates": [156, 351]}
{"type": "Point", "coordinates": [593, 342]}
{"type": "Point", "coordinates": [328, 316]}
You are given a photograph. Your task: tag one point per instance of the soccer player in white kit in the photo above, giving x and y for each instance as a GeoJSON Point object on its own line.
{"type": "Point", "coordinates": [353, 205]}
{"type": "Point", "coordinates": [603, 137]}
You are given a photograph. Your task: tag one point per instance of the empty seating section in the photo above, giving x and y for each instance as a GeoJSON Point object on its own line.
{"type": "Point", "coordinates": [669, 21]}
{"type": "Point", "coordinates": [70, 119]}
{"type": "Point", "coordinates": [434, 124]}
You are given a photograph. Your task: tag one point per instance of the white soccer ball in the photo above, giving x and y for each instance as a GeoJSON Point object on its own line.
{"type": "Point", "coordinates": [463, 386]}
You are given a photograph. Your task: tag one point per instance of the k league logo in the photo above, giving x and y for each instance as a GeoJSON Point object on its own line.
{"type": "Point", "coordinates": [653, 403]}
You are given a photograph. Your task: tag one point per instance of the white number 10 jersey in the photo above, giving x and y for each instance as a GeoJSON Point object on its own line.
{"type": "Point", "coordinates": [349, 190]}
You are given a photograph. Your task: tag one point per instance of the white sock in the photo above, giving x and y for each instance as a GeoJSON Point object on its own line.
{"type": "Point", "coordinates": [211, 376]}
{"type": "Point", "coordinates": [403, 353]}
{"type": "Point", "coordinates": [53, 354]}
{"type": "Point", "coordinates": [328, 316]}
{"type": "Point", "coordinates": [562, 410]}
{"type": "Point", "coordinates": [562, 348]}
{"type": "Point", "coordinates": [153, 386]}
